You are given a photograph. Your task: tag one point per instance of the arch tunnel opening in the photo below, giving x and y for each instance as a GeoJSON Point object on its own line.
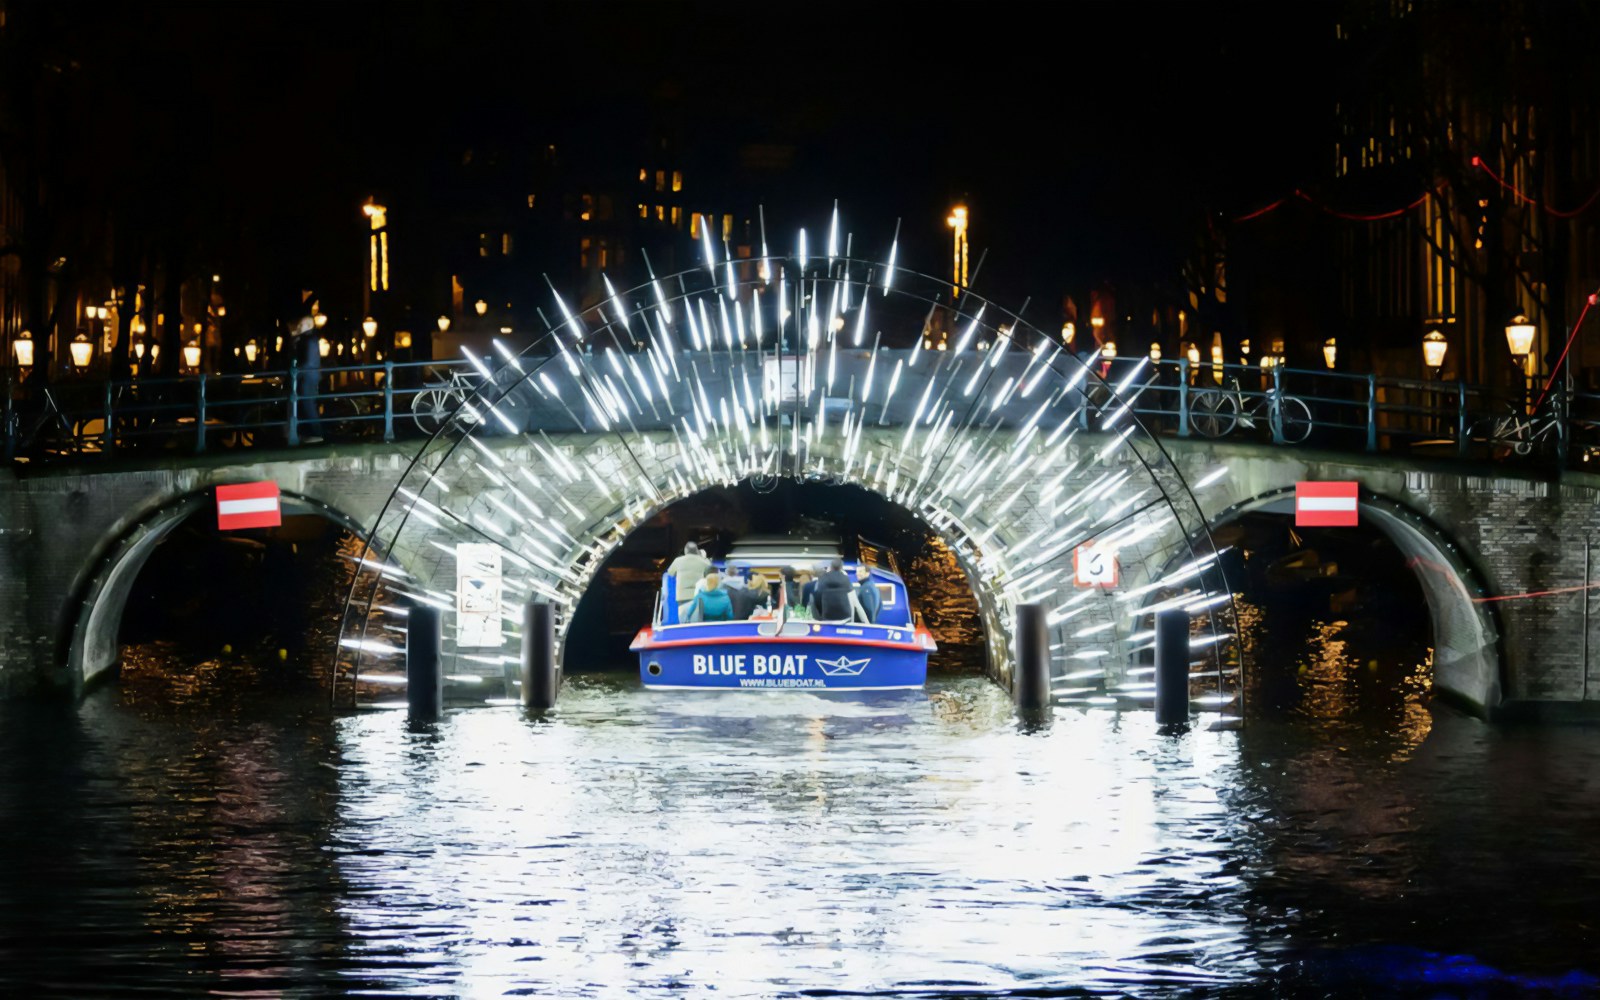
{"type": "Point", "coordinates": [1334, 621]}
{"type": "Point", "coordinates": [620, 597]}
{"type": "Point", "coordinates": [195, 611]}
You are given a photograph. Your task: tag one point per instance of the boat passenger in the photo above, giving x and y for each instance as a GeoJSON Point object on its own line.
{"type": "Point", "coordinates": [744, 598]}
{"type": "Point", "coordinates": [867, 594]}
{"type": "Point", "coordinates": [686, 571]}
{"type": "Point", "coordinates": [830, 599]}
{"type": "Point", "coordinates": [790, 592]}
{"type": "Point", "coordinates": [711, 604]}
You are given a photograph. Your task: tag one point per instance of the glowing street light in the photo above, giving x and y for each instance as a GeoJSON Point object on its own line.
{"type": "Point", "coordinates": [1155, 352]}
{"type": "Point", "coordinates": [402, 339]}
{"type": "Point", "coordinates": [191, 356]}
{"type": "Point", "coordinates": [1330, 352]}
{"type": "Point", "coordinates": [480, 307]}
{"type": "Point", "coordinates": [323, 347]}
{"type": "Point", "coordinates": [22, 347]}
{"type": "Point", "coordinates": [1434, 346]}
{"type": "Point", "coordinates": [82, 351]}
{"type": "Point", "coordinates": [957, 220]}
{"type": "Point", "coordinates": [444, 324]}
{"type": "Point", "coordinates": [1519, 337]}
{"type": "Point", "coordinates": [369, 327]}
{"type": "Point", "coordinates": [250, 351]}
{"type": "Point", "coordinates": [319, 320]}
{"type": "Point", "coordinates": [1068, 332]}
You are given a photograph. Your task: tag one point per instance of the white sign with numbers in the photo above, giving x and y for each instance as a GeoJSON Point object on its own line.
{"type": "Point", "coordinates": [478, 595]}
{"type": "Point", "coordinates": [1094, 566]}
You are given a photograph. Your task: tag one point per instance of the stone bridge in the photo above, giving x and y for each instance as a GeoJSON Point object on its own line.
{"type": "Point", "coordinates": [1496, 553]}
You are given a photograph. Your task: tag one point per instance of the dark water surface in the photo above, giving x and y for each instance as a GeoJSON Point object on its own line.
{"type": "Point", "coordinates": [248, 843]}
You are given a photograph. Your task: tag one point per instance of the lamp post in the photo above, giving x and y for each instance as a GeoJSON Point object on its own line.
{"type": "Point", "coordinates": [191, 356]}
{"type": "Point", "coordinates": [1434, 346]}
{"type": "Point", "coordinates": [1108, 354]}
{"type": "Point", "coordinates": [1519, 338]}
{"type": "Point", "coordinates": [22, 348]}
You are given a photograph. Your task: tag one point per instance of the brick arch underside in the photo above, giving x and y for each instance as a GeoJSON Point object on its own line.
{"type": "Point", "coordinates": [92, 647]}
{"type": "Point", "coordinates": [1467, 661]}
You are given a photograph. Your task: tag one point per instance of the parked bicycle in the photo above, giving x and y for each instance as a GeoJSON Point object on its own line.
{"type": "Point", "coordinates": [1217, 412]}
{"type": "Point", "coordinates": [433, 404]}
{"type": "Point", "coordinates": [1516, 432]}
{"type": "Point", "coordinates": [48, 430]}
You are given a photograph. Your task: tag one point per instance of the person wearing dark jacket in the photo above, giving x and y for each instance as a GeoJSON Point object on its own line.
{"type": "Point", "coordinates": [867, 594]}
{"type": "Point", "coordinates": [744, 599]}
{"type": "Point", "coordinates": [790, 589]}
{"type": "Point", "coordinates": [830, 599]}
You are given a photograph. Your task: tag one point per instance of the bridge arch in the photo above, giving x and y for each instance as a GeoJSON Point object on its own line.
{"type": "Point", "coordinates": [1012, 448]}
{"type": "Point", "coordinates": [1468, 664]}
{"type": "Point", "coordinates": [91, 643]}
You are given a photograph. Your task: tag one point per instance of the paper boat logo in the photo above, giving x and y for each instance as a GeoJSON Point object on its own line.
{"type": "Point", "coordinates": [843, 666]}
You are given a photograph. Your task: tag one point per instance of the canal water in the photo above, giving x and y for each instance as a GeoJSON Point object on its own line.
{"type": "Point", "coordinates": [213, 830]}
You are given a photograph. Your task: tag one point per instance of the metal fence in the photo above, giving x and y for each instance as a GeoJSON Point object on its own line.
{"type": "Point", "coordinates": [84, 420]}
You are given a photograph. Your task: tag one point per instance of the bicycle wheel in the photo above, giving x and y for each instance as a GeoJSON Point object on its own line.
{"type": "Point", "coordinates": [1213, 413]}
{"type": "Point", "coordinates": [342, 416]}
{"type": "Point", "coordinates": [1293, 420]}
{"type": "Point", "coordinates": [430, 408]}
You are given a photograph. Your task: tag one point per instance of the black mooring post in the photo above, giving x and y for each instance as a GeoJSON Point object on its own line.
{"type": "Point", "coordinates": [541, 680]}
{"type": "Point", "coordinates": [1030, 686]}
{"type": "Point", "coordinates": [424, 678]}
{"type": "Point", "coordinates": [1172, 667]}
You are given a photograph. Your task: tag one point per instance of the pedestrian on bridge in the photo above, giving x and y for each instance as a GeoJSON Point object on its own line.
{"type": "Point", "coordinates": [307, 346]}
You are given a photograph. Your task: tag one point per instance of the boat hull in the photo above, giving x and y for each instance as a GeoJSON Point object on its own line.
{"type": "Point", "coordinates": [732, 656]}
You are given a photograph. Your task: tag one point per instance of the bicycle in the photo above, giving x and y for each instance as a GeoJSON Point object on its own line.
{"type": "Point", "coordinates": [1518, 432]}
{"type": "Point", "coordinates": [433, 404]}
{"type": "Point", "coordinates": [1215, 413]}
{"type": "Point", "coordinates": [50, 431]}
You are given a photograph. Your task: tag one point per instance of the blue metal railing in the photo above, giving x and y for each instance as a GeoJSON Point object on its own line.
{"type": "Point", "coordinates": [81, 420]}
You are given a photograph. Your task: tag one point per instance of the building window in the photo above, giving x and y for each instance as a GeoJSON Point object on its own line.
{"type": "Point", "coordinates": [583, 254]}
{"type": "Point", "coordinates": [603, 255]}
{"type": "Point", "coordinates": [661, 180]}
{"type": "Point", "coordinates": [588, 208]}
{"type": "Point", "coordinates": [694, 226]}
{"type": "Point", "coordinates": [727, 228]}
{"type": "Point", "coordinates": [661, 213]}
{"type": "Point", "coordinates": [642, 175]}
{"type": "Point", "coordinates": [677, 217]}
{"type": "Point", "coordinates": [644, 210]}
{"type": "Point", "coordinates": [505, 244]}
{"type": "Point", "coordinates": [677, 180]}
{"type": "Point", "coordinates": [483, 244]}
{"type": "Point", "coordinates": [530, 201]}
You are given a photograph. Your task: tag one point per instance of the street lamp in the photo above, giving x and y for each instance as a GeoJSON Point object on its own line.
{"type": "Point", "coordinates": [369, 327]}
{"type": "Point", "coordinates": [402, 339]}
{"type": "Point", "coordinates": [1108, 354]}
{"type": "Point", "coordinates": [250, 351]}
{"type": "Point", "coordinates": [323, 347]}
{"type": "Point", "coordinates": [82, 351]}
{"type": "Point", "coordinates": [1068, 332]}
{"type": "Point", "coordinates": [191, 355]}
{"type": "Point", "coordinates": [319, 320]}
{"type": "Point", "coordinates": [444, 324]}
{"type": "Point", "coordinates": [480, 307]}
{"type": "Point", "coordinates": [1155, 353]}
{"type": "Point", "coordinates": [1434, 346]}
{"type": "Point", "coordinates": [22, 347]}
{"type": "Point", "coordinates": [1519, 337]}
{"type": "Point", "coordinates": [1330, 351]}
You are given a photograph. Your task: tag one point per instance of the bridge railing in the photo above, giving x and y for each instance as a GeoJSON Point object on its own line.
{"type": "Point", "coordinates": [80, 420]}
{"type": "Point", "coordinates": [76, 420]}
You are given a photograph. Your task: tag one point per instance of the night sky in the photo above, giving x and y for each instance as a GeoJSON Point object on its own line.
{"type": "Point", "coordinates": [1088, 139]}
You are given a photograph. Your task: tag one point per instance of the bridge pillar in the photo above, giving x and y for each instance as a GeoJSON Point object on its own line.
{"type": "Point", "coordinates": [1030, 685]}
{"type": "Point", "coordinates": [1172, 667]}
{"type": "Point", "coordinates": [424, 678]}
{"type": "Point", "coordinates": [541, 675]}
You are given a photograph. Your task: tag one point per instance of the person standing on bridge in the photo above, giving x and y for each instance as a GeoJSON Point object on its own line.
{"type": "Point", "coordinates": [687, 571]}
{"type": "Point", "coordinates": [307, 346]}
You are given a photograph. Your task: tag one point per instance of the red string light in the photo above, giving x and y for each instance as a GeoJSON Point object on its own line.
{"type": "Point", "coordinates": [1336, 213]}
{"type": "Point", "coordinates": [1477, 161]}
{"type": "Point", "coordinates": [1587, 305]}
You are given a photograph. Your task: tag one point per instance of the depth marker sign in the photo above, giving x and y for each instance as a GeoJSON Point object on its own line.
{"type": "Point", "coordinates": [1094, 566]}
{"type": "Point", "coordinates": [1327, 505]}
{"type": "Point", "coordinates": [478, 595]}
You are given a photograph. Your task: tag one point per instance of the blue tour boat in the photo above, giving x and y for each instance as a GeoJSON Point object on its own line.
{"type": "Point", "coordinates": [787, 650]}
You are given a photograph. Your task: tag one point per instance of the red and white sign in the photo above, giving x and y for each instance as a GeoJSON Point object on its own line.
{"type": "Point", "coordinates": [1326, 505]}
{"type": "Point", "coordinates": [1093, 566]}
{"type": "Point", "coordinates": [248, 505]}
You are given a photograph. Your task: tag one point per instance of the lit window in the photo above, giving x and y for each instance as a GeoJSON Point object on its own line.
{"type": "Point", "coordinates": [694, 226]}
{"type": "Point", "coordinates": [530, 201]}
{"type": "Point", "coordinates": [505, 244]}
{"type": "Point", "coordinates": [677, 216]}
{"type": "Point", "coordinates": [602, 254]}
{"type": "Point", "coordinates": [661, 213]}
{"type": "Point", "coordinates": [641, 175]}
{"type": "Point", "coordinates": [644, 210]}
{"type": "Point", "coordinates": [727, 227]}
{"type": "Point", "coordinates": [483, 244]}
{"type": "Point", "coordinates": [661, 180]}
{"type": "Point", "coordinates": [583, 254]}
{"type": "Point", "coordinates": [588, 208]}
{"type": "Point", "coordinates": [677, 180]}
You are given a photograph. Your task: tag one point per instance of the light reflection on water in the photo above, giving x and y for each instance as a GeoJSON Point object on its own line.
{"type": "Point", "coordinates": [638, 844]}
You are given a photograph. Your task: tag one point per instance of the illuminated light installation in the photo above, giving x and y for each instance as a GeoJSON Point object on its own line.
{"type": "Point", "coordinates": [957, 221]}
{"type": "Point", "coordinates": [1015, 456]}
